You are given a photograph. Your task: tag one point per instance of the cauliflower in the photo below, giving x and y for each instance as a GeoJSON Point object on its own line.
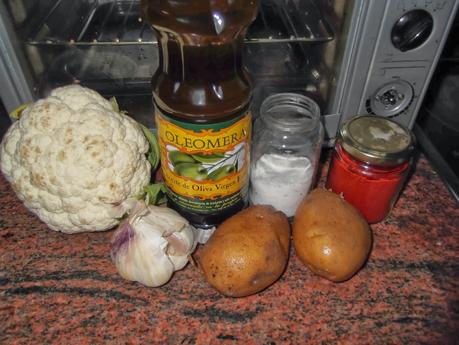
{"type": "Point", "coordinates": [74, 161]}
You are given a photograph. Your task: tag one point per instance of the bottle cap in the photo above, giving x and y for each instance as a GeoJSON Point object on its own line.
{"type": "Point", "coordinates": [376, 140]}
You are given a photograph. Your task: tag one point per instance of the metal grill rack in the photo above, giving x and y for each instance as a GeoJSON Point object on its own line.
{"type": "Point", "coordinates": [118, 22]}
{"type": "Point", "coordinates": [105, 45]}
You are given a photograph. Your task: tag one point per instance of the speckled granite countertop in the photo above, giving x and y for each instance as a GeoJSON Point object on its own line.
{"type": "Point", "coordinates": [63, 289]}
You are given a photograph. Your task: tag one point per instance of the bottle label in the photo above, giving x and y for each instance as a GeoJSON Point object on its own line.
{"type": "Point", "coordinates": [205, 166]}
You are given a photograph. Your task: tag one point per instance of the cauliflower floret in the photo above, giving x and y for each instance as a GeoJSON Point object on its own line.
{"type": "Point", "coordinates": [77, 97]}
{"type": "Point", "coordinates": [75, 162]}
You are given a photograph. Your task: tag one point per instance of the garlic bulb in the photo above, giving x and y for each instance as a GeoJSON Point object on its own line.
{"type": "Point", "coordinates": [151, 244]}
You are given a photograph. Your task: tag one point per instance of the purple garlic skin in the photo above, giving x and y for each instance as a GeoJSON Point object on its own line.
{"type": "Point", "coordinates": [122, 237]}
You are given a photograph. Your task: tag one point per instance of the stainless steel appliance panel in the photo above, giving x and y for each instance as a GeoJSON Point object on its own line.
{"type": "Point", "coordinates": [400, 45]}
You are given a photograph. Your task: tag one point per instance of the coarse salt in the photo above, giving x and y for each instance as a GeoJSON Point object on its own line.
{"type": "Point", "coordinates": [280, 181]}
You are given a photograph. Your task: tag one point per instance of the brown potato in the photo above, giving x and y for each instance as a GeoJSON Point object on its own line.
{"type": "Point", "coordinates": [330, 236]}
{"type": "Point", "coordinates": [248, 252]}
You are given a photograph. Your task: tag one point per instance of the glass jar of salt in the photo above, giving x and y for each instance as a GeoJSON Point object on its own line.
{"type": "Point", "coordinates": [286, 146]}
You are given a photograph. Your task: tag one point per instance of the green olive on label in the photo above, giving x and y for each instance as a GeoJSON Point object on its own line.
{"type": "Point", "coordinates": [194, 171]}
{"type": "Point", "coordinates": [210, 158]}
{"type": "Point", "coordinates": [221, 172]}
{"type": "Point", "coordinates": [177, 157]}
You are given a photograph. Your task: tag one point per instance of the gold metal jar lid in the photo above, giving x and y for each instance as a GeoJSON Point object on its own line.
{"type": "Point", "coordinates": [376, 140]}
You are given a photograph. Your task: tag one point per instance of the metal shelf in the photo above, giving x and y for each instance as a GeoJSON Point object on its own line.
{"type": "Point", "coordinates": [119, 23]}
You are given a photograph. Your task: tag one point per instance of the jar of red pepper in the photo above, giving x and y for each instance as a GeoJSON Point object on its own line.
{"type": "Point", "coordinates": [370, 162]}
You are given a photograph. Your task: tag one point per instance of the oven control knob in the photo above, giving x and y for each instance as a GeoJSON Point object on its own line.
{"type": "Point", "coordinates": [411, 30]}
{"type": "Point", "coordinates": [392, 98]}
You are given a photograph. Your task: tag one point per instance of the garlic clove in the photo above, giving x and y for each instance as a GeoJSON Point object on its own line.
{"type": "Point", "coordinates": [166, 220]}
{"type": "Point", "coordinates": [181, 244]}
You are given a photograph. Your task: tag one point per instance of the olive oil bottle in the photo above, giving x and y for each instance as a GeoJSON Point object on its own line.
{"type": "Point", "coordinates": [201, 95]}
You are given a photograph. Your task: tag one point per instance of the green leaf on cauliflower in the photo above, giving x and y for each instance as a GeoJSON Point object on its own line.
{"type": "Point", "coordinates": [155, 194]}
{"type": "Point", "coordinates": [114, 104]}
{"type": "Point", "coordinates": [153, 154]}
{"type": "Point", "coordinates": [16, 113]}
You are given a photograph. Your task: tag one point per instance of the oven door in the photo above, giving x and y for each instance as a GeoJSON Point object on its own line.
{"type": "Point", "coordinates": [437, 126]}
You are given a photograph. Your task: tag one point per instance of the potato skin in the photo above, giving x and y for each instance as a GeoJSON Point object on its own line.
{"type": "Point", "coordinates": [248, 252]}
{"type": "Point", "coordinates": [330, 236]}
